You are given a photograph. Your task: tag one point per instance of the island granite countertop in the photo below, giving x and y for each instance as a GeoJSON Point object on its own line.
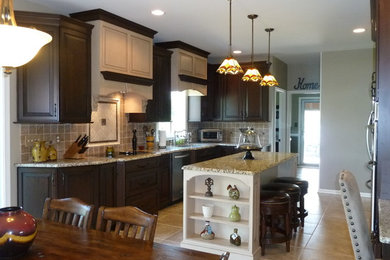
{"type": "Point", "coordinates": [234, 164]}
{"type": "Point", "coordinates": [119, 158]}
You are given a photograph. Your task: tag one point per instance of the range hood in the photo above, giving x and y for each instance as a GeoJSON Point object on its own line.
{"type": "Point", "coordinates": [132, 93]}
{"type": "Point", "coordinates": [188, 68]}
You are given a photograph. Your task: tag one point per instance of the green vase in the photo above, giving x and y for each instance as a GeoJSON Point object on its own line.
{"type": "Point", "coordinates": [235, 214]}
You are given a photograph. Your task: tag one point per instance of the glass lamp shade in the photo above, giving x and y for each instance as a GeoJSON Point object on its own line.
{"type": "Point", "coordinates": [230, 66]}
{"type": "Point", "coordinates": [269, 80]}
{"type": "Point", "coordinates": [249, 141]}
{"type": "Point", "coordinates": [252, 74]}
{"type": "Point", "coordinates": [19, 45]}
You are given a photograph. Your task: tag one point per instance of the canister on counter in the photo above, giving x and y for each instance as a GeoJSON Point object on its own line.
{"type": "Point", "coordinates": [110, 151]}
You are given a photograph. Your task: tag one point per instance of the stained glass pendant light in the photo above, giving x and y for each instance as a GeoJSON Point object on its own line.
{"type": "Point", "coordinates": [230, 65]}
{"type": "Point", "coordinates": [268, 79]}
{"type": "Point", "coordinates": [18, 44]}
{"type": "Point", "coordinates": [252, 74]}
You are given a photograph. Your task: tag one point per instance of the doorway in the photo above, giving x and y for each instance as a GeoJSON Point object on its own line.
{"type": "Point", "coordinates": [280, 134]}
{"type": "Point", "coordinates": [309, 131]}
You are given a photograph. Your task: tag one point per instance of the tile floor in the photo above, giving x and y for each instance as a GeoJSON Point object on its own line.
{"type": "Point", "coordinates": [325, 235]}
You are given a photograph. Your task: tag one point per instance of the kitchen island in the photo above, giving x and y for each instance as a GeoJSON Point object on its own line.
{"type": "Point", "coordinates": [247, 175]}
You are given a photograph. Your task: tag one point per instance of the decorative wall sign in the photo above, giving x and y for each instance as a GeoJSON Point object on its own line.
{"type": "Point", "coordinates": [306, 86]}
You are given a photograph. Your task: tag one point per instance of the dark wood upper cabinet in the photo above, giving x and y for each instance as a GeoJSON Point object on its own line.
{"type": "Point", "coordinates": [231, 99]}
{"type": "Point", "coordinates": [56, 85]}
{"type": "Point", "coordinates": [159, 108]}
{"type": "Point", "coordinates": [162, 85]}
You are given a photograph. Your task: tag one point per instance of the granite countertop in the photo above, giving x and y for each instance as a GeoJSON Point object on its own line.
{"type": "Point", "coordinates": [384, 221]}
{"type": "Point", "coordinates": [119, 158]}
{"type": "Point", "coordinates": [234, 164]}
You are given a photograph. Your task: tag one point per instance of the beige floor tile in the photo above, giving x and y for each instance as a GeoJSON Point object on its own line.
{"type": "Point", "coordinates": [331, 241]}
{"type": "Point", "coordinates": [164, 231]}
{"type": "Point", "coordinates": [278, 252]}
{"type": "Point", "coordinates": [310, 254]}
{"type": "Point", "coordinates": [299, 239]}
{"type": "Point", "coordinates": [176, 237]}
{"type": "Point", "coordinates": [308, 228]}
{"type": "Point", "coordinates": [313, 218]}
{"type": "Point", "coordinates": [171, 219]}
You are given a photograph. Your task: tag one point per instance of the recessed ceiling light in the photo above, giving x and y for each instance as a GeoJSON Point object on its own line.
{"type": "Point", "coordinates": [237, 52]}
{"type": "Point", "coordinates": [158, 12]}
{"type": "Point", "coordinates": [359, 30]}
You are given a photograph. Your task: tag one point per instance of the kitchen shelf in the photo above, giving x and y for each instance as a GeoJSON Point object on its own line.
{"type": "Point", "coordinates": [220, 198]}
{"type": "Point", "coordinates": [221, 243]}
{"type": "Point", "coordinates": [219, 219]}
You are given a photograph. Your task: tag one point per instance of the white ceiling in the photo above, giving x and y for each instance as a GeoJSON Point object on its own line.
{"type": "Point", "coordinates": [303, 28]}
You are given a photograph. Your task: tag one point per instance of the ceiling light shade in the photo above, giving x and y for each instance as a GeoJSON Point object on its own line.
{"type": "Point", "coordinates": [230, 65]}
{"type": "Point", "coordinates": [252, 74]}
{"type": "Point", "coordinates": [18, 44]}
{"type": "Point", "coordinates": [269, 80]}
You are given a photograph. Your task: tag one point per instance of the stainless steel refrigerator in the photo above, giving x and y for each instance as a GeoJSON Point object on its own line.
{"type": "Point", "coordinates": [371, 139]}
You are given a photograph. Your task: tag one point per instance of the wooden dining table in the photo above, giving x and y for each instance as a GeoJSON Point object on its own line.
{"type": "Point", "coordinates": [57, 241]}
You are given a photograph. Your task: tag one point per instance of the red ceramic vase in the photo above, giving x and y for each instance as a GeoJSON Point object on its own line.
{"type": "Point", "coordinates": [17, 232]}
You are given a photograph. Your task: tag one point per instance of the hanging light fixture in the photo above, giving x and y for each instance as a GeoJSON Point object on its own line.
{"type": "Point", "coordinates": [268, 79]}
{"type": "Point", "coordinates": [18, 45]}
{"type": "Point", "coordinates": [230, 65]}
{"type": "Point", "coordinates": [252, 74]}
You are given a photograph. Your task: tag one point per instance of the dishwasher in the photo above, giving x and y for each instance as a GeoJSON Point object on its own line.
{"type": "Point", "coordinates": [179, 159]}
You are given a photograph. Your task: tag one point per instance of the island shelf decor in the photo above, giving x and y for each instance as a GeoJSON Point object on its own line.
{"type": "Point", "coordinates": [246, 174]}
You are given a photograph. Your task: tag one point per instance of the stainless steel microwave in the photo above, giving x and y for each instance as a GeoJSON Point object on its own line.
{"type": "Point", "coordinates": [210, 135]}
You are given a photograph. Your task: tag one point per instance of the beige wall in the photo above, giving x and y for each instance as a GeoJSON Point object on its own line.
{"type": "Point", "coordinates": [345, 105]}
{"type": "Point", "coordinates": [279, 70]}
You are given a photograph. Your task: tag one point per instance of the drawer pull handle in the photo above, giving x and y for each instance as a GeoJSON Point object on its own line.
{"type": "Point", "coordinates": [181, 156]}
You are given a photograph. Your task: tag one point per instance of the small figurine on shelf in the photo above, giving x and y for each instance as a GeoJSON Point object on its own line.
{"type": "Point", "coordinates": [235, 214]}
{"type": "Point", "coordinates": [208, 182]}
{"type": "Point", "coordinates": [234, 193]}
{"type": "Point", "coordinates": [207, 233]}
{"type": "Point", "coordinates": [235, 239]}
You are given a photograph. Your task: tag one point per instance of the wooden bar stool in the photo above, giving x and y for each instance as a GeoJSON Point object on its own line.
{"type": "Point", "coordinates": [294, 192]}
{"type": "Point", "coordinates": [303, 185]}
{"type": "Point", "coordinates": [275, 226]}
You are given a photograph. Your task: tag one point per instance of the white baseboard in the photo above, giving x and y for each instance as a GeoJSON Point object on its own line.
{"type": "Point", "coordinates": [337, 192]}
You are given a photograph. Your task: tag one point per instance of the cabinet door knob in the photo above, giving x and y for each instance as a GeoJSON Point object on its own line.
{"type": "Point", "coordinates": [55, 109]}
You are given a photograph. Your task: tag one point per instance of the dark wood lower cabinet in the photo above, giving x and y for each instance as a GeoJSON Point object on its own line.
{"type": "Point", "coordinates": [80, 182]}
{"type": "Point", "coordinates": [92, 184]}
{"type": "Point", "coordinates": [164, 181]}
{"type": "Point", "coordinates": [141, 184]}
{"type": "Point", "coordinates": [34, 186]}
{"type": "Point", "coordinates": [144, 183]}
{"type": "Point", "coordinates": [107, 184]}
{"type": "Point", "coordinates": [205, 154]}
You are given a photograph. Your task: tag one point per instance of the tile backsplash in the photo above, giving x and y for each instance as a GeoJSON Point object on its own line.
{"type": "Point", "coordinates": [231, 130]}
{"type": "Point", "coordinates": [62, 136]}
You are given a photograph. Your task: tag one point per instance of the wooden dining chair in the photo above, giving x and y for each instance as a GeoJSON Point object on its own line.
{"type": "Point", "coordinates": [127, 221]}
{"type": "Point", "coordinates": [69, 211]}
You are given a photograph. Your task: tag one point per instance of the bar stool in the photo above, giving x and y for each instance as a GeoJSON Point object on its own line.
{"type": "Point", "coordinates": [303, 185]}
{"type": "Point", "coordinates": [294, 192]}
{"type": "Point", "coordinates": [275, 218]}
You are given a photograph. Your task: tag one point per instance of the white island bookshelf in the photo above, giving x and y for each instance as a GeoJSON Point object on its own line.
{"type": "Point", "coordinates": [247, 175]}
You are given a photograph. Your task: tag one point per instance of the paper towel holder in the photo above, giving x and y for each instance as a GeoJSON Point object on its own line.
{"type": "Point", "coordinates": [162, 139]}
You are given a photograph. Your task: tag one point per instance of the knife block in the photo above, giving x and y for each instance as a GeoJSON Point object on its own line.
{"type": "Point", "coordinates": [73, 152]}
